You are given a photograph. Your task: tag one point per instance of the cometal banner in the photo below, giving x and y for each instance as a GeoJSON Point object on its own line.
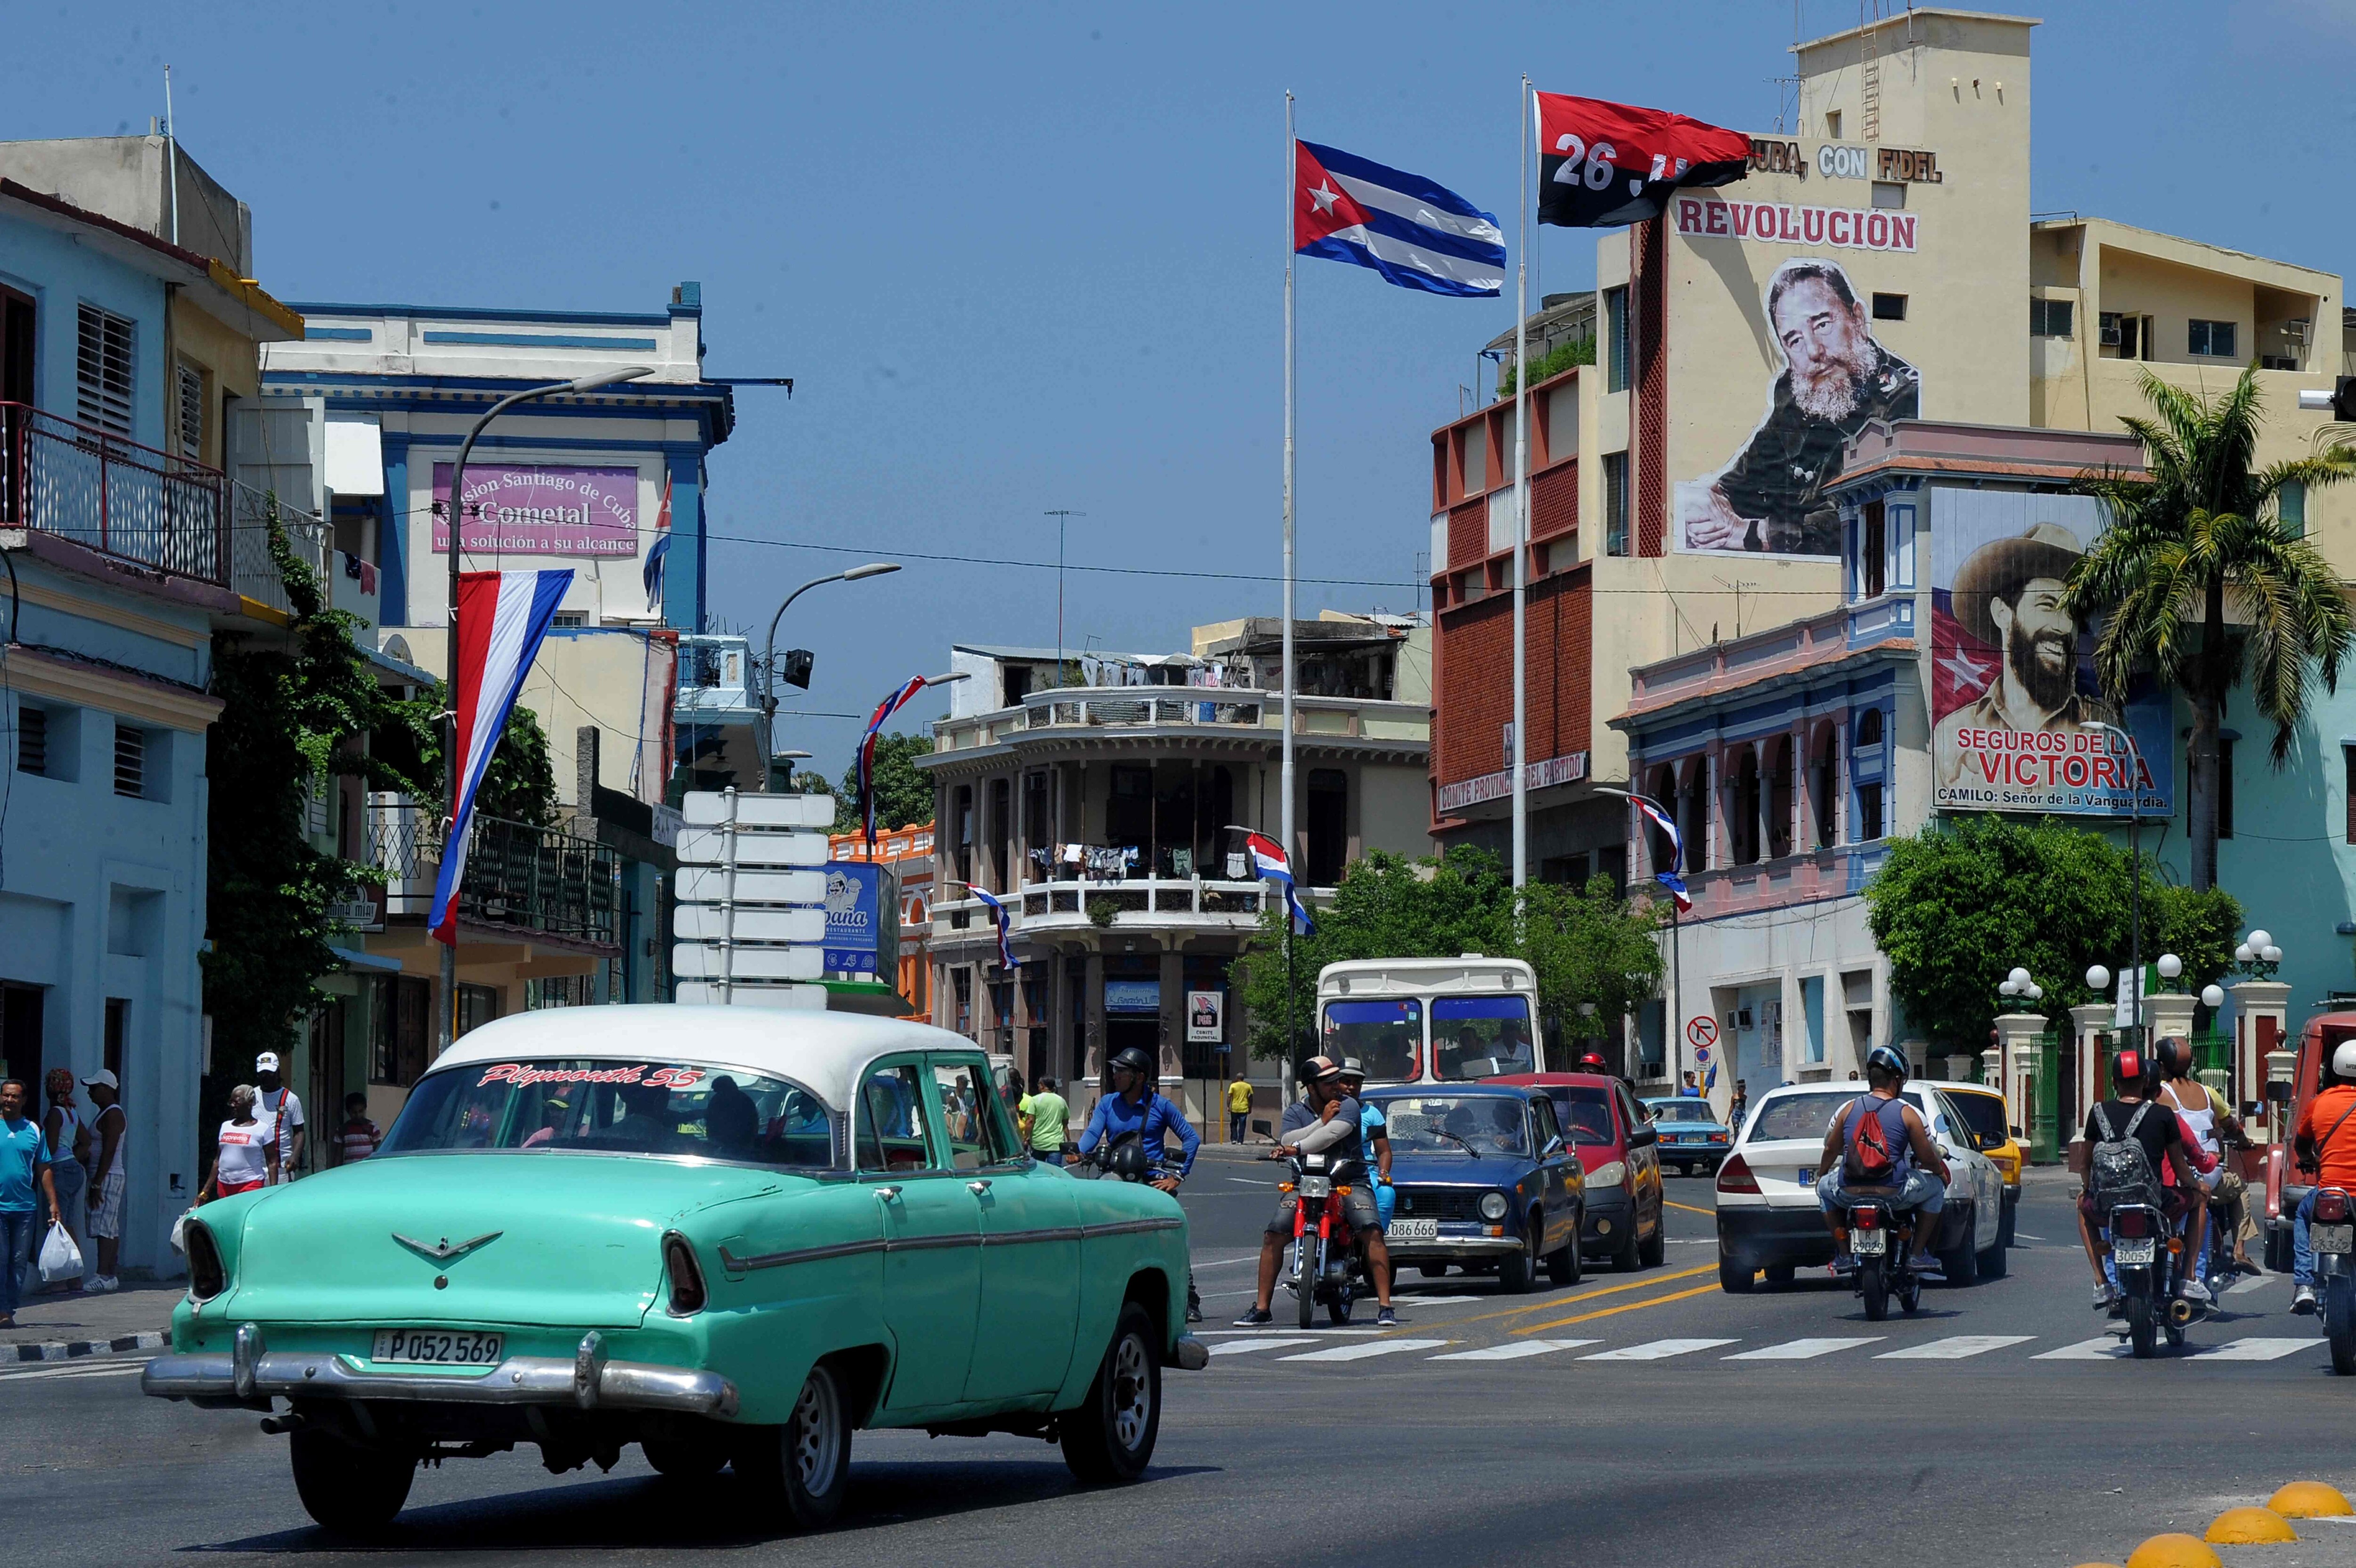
{"type": "Point", "coordinates": [2014, 701]}
{"type": "Point", "coordinates": [530, 510]}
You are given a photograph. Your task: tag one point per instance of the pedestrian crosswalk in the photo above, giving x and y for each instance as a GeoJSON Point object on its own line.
{"type": "Point", "coordinates": [1316, 1347]}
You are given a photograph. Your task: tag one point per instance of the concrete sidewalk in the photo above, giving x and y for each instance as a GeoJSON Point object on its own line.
{"type": "Point", "coordinates": [59, 1327]}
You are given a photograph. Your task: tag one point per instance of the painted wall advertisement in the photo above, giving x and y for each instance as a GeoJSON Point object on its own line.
{"type": "Point", "coordinates": [525, 509]}
{"type": "Point", "coordinates": [2014, 702]}
{"type": "Point", "coordinates": [1833, 378]}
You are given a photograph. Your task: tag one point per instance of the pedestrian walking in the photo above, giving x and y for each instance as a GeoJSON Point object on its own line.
{"type": "Point", "coordinates": [1689, 1090]}
{"type": "Point", "coordinates": [1045, 1118]}
{"type": "Point", "coordinates": [284, 1109]}
{"type": "Point", "coordinates": [23, 1169]}
{"type": "Point", "coordinates": [106, 1177]}
{"type": "Point", "coordinates": [245, 1152]}
{"type": "Point", "coordinates": [1742, 1105]}
{"type": "Point", "coordinates": [69, 1139]}
{"type": "Point", "coordinates": [1239, 1104]}
{"type": "Point", "coordinates": [359, 1135]}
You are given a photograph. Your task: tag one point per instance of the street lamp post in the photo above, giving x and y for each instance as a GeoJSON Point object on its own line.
{"type": "Point", "coordinates": [1672, 1016]}
{"type": "Point", "coordinates": [769, 659]}
{"type": "Point", "coordinates": [456, 510]}
{"type": "Point", "coordinates": [2135, 854]}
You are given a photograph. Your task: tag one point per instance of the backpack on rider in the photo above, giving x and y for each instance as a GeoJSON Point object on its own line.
{"type": "Point", "coordinates": [1875, 1142]}
{"type": "Point", "coordinates": [2119, 1167]}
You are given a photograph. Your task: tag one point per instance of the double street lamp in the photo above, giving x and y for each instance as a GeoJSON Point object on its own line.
{"type": "Point", "coordinates": [769, 657]}
{"type": "Point", "coordinates": [456, 507]}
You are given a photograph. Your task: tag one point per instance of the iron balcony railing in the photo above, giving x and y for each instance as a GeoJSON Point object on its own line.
{"type": "Point", "coordinates": [252, 571]}
{"type": "Point", "coordinates": [111, 495]}
{"type": "Point", "coordinates": [529, 879]}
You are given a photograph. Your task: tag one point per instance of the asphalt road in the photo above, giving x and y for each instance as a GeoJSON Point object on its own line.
{"type": "Point", "coordinates": [1771, 1429]}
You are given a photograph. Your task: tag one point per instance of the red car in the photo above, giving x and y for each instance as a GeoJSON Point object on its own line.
{"type": "Point", "coordinates": [1619, 1149]}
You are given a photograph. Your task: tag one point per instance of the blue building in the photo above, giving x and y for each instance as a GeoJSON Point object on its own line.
{"type": "Point", "coordinates": [127, 372]}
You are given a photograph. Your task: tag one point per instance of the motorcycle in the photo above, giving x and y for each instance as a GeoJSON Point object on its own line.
{"type": "Point", "coordinates": [1326, 1264]}
{"type": "Point", "coordinates": [2147, 1256]}
{"type": "Point", "coordinates": [1880, 1240]}
{"type": "Point", "coordinates": [2331, 1235]}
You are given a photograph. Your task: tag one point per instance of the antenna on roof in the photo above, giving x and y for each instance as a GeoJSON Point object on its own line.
{"type": "Point", "coordinates": [172, 154]}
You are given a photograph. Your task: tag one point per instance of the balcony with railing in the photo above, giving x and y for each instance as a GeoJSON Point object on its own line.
{"type": "Point", "coordinates": [533, 880]}
{"type": "Point", "coordinates": [1205, 710]}
{"type": "Point", "coordinates": [1171, 902]}
{"type": "Point", "coordinates": [111, 494]}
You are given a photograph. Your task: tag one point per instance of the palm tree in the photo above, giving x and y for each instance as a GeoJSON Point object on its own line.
{"type": "Point", "coordinates": [2201, 533]}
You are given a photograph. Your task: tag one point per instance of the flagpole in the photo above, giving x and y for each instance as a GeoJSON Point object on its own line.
{"type": "Point", "coordinates": [1518, 762]}
{"type": "Point", "coordinates": [1291, 165]}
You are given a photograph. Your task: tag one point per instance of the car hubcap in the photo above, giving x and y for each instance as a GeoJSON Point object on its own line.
{"type": "Point", "coordinates": [1132, 1391]}
{"type": "Point", "coordinates": [813, 1436]}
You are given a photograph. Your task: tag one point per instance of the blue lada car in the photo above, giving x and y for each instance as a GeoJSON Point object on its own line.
{"type": "Point", "coordinates": [1693, 1140]}
{"type": "Point", "coordinates": [1486, 1181]}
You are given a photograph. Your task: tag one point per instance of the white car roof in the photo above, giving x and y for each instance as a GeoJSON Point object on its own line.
{"type": "Point", "coordinates": [823, 1051]}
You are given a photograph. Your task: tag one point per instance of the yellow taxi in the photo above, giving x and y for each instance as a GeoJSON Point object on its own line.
{"type": "Point", "coordinates": [1984, 1108]}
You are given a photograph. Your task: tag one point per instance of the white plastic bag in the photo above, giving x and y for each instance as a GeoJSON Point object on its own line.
{"type": "Point", "coordinates": [181, 1233]}
{"type": "Point", "coordinates": [60, 1259]}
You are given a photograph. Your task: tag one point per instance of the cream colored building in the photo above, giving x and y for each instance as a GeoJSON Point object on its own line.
{"type": "Point", "coordinates": [1909, 173]}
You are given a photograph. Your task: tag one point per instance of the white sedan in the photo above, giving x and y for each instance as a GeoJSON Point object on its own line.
{"type": "Point", "coordinates": [1768, 1217]}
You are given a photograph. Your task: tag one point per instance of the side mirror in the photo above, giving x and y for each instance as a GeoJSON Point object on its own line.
{"type": "Point", "coordinates": [1644, 1136]}
{"type": "Point", "coordinates": [1554, 1146]}
{"type": "Point", "coordinates": [2278, 1091]}
{"type": "Point", "coordinates": [1991, 1141]}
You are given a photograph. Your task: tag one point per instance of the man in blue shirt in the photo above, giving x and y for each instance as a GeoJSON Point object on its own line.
{"type": "Point", "coordinates": [23, 1158]}
{"type": "Point", "coordinates": [1134, 1109]}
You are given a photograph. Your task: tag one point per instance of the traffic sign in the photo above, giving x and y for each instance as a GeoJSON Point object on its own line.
{"type": "Point", "coordinates": [750, 916]}
{"type": "Point", "coordinates": [1702, 1032]}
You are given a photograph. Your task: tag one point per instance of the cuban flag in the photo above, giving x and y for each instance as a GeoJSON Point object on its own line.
{"type": "Point", "coordinates": [866, 757]}
{"type": "Point", "coordinates": [657, 553]}
{"type": "Point", "coordinates": [1417, 234]}
{"type": "Point", "coordinates": [1671, 879]}
{"type": "Point", "coordinates": [1005, 922]}
{"type": "Point", "coordinates": [502, 616]}
{"type": "Point", "coordinates": [1270, 864]}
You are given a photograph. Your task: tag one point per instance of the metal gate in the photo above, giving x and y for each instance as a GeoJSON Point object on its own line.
{"type": "Point", "coordinates": [2046, 1111]}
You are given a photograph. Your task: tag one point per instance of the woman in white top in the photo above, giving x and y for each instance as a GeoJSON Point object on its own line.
{"type": "Point", "coordinates": [247, 1153]}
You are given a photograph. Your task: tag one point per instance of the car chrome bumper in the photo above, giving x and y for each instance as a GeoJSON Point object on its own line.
{"type": "Point", "coordinates": [1452, 1247]}
{"type": "Point", "coordinates": [1190, 1354]}
{"type": "Point", "coordinates": [253, 1376]}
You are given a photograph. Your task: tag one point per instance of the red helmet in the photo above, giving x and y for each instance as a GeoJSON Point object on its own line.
{"type": "Point", "coordinates": [1592, 1063]}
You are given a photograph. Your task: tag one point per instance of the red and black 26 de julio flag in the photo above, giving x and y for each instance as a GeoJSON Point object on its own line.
{"type": "Point", "coordinates": [1602, 163]}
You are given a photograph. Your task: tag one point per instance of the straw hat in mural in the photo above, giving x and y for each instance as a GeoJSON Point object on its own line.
{"type": "Point", "coordinates": [2000, 568]}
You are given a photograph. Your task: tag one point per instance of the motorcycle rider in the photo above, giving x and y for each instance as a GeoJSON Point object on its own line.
{"type": "Point", "coordinates": [2212, 1125]}
{"type": "Point", "coordinates": [1136, 1109]}
{"type": "Point", "coordinates": [1919, 1176]}
{"type": "Point", "coordinates": [2324, 1149]}
{"type": "Point", "coordinates": [1326, 1120]}
{"type": "Point", "coordinates": [2133, 1071]}
{"type": "Point", "coordinates": [1375, 1134]}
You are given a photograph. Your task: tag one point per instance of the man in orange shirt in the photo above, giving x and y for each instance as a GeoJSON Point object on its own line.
{"type": "Point", "coordinates": [2325, 1143]}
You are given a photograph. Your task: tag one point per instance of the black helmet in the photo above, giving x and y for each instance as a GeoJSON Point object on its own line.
{"type": "Point", "coordinates": [1127, 1162]}
{"type": "Point", "coordinates": [2173, 1057]}
{"type": "Point", "coordinates": [1132, 1060]}
{"type": "Point", "coordinates": [1888, 1058]}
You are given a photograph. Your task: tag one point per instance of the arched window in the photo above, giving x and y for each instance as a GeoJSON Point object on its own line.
{"type": "Point", "coordinates": [1664, 789]}
{"type": "Point", "coordinates": [1870, 767]}
{"type": "Point", "coordinates": [1743, 825]}
{"type": "Point", "coordinates": [1778, 797]}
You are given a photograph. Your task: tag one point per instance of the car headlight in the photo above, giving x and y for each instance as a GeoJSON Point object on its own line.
{"type": "Point", "coordinates": [1493, 1206]}
{"type": "Point", "coordinates": [207, 1279]}
{"type": "Point", "coordinates": [1611, 1174]}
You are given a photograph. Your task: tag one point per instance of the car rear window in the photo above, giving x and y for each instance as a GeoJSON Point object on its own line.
{"type": "Point", "coordinates": [1796, 1116]}
{"type": "Point", "coordinates": [1681, 1110]}
{"type": "Point", "coordinates": [598, 1107]}
{"type": "Point", "coordinates": [1984, 1114]}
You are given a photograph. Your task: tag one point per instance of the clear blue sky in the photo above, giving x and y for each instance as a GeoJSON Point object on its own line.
{"type": "Point", "coordinates": [1028, 256]}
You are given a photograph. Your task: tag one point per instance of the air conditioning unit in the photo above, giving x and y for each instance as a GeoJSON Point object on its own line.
{"type": "Point", "coordinates": [1738, 1018]}
{"type": "Point", "coordinates": [2298, 329]}
{"type": "Point", "coordinates": [2110, 325]}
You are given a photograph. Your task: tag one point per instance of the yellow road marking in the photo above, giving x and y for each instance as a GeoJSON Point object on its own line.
{"type": "Point", "coordinates": [1687, 1207]}
{"type": "Point", "coordinates": [1607, 1311]}
{"type": "Point", "coordinates": [1645, 1284]}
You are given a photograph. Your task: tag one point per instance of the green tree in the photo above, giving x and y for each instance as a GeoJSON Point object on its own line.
{"type": "Point", "coordinates": [1578, 351]}
{"type": "Point", "coordinates": [2202, 535]}
{"type": "Point", "coordinates": [1958, 907]}
{"type": "Point", "coordinates": [904, 793]}
{"type": "Point", "coordinates": [520, 784]}
{"type": "Point", "coordinates": [1588, 945]}
{"type": "Point", "coordinates": [292, 711]}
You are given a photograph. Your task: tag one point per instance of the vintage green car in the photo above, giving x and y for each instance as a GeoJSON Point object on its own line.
{"type": "Point", "coordinates": [729, 1235]}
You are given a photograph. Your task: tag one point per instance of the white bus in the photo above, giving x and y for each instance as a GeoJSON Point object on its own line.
{"type": "Point", "coordinates": [1431, 1020]}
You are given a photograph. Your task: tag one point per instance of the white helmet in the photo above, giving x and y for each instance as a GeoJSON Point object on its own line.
{"type": "Point", "coordinates": [2344, 1062]}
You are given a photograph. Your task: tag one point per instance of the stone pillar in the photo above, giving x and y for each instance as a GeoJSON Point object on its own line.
{"type": "Point", "coordinates": [1961, 1068]}
{"type": "Point", "coordinates": [1172, 971]}
{"type": "Point", "coordinates": [2260, 1008]}
{"type": "Point", "coordinates": [2093, 1024]}
{"type": "Point", "coordinates": [1092, 1028]}
{"type": "Point", "coordinates": [2017, 1037]}
{"type": "Point", "coordinates": [2169, 1014]}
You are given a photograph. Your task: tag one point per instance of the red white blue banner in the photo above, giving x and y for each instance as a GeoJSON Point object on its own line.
{"type": "Point", "coordinates": [1271, 864]}
{"type": "Point", "coordinates": [502, 616]}
{"type": "Point", "coordinates": [866, 758]}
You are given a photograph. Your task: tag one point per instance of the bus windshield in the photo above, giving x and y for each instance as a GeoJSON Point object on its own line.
{"type": "Point", "coordinates": [1480, 1037]}
{"type": "Point", "coordinates": [1386, 1037]}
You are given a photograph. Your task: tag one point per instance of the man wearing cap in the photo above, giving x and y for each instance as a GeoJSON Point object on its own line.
{"type": "Point", "coordinates": [1326, 1120]}
{"type": "Point", "coordinates": [2009, 594]}
{"type": "Point", "coordinates": [106, 1176]}
{"type": "Point", "coordinates": [284, 1109]}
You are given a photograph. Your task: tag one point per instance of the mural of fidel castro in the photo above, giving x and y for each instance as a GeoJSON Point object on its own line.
{"type": "Point", "coordinates": [1835, 378]}
{"type": "Point", "coordinates": [2008, 594]}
